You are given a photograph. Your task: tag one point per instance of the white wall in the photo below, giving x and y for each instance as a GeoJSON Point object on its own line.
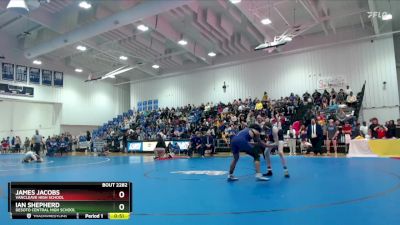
{"type": "Point", "coordinates": [280, 75]}
{"type": "Point", "coordinates": [22, 118]}
{"type": "Point", "coordinates": [77, 103]}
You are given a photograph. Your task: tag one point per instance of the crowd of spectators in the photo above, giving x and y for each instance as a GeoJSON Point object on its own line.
{"type": "Point", "coordinates": [327, 119]}
{"type": "Point", "coordinates": [38, 143]}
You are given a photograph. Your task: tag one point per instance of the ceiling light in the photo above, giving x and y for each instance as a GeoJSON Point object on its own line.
{"type": "Point", "coordinates": [116, 72]}
{"type": "Point", "coordinates": [78, 70]}
{"type": "Point", "coordinates": [182, 42]}
{"type": "Point", "coordinates": [81, 48]}
{"type": "Point", "coordinates": [387, 16]}
{"type": "Point", "coordinates": [288, 39]}
{"type": "Point", "coordinates": [122, 57]}
{"type": "Point", "coordinates": [37, 62]}
{"type": "Point", "coordinates": [155, 66]}
{"type": "Point", "coordinates": [85, 5]}
{"type": "Point", "coordinates": [235, 1]}
{"type": "Point", "coordinates": [266, 21]}
{"type": "Point", "coordinates": [212, 54]}
{"type": "Point", "coordinates": [18, 6]}
{"type": "Point", "coordinates": [142, 27]}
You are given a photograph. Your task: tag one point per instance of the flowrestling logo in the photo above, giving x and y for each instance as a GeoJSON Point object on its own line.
{"type": "Point", "coordinates": [201, 172]}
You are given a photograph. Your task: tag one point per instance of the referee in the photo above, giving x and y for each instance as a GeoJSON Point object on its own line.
{"type": "Point", "coordinates": [37, 139]}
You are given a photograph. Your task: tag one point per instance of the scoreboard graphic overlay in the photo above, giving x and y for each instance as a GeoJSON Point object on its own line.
{"type": "Point", "coordinates": [70, 200]}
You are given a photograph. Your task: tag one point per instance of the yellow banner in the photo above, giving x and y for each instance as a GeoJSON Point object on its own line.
{"type": "Point", "coordinates": [385, 147]}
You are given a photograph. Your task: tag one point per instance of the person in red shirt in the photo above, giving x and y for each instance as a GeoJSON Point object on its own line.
{"type": "Point", "coordinates": [347, 133]}
{"type": "Point", "coordinates": [381, 132]}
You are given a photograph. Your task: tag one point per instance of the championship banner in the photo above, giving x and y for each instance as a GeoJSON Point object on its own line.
{"type": "Point", "coordinates": [47, 77]}
{"type": "Point", "coordinates": [58, 79]}
{"type": "Point", "coordinates": [149, 105]}
{"type": "Point", "coordinates": [144, 104]}
{"type": "Point", "coordinates": [7, 71]}
{"type": "Point", "coordinates": [155, 104]}
{"type": "Point", "coordinates": [21, 73]}
{"type": "Point", "coordinates": [139, 106]}
{"type": "Point", "coordinates": [34, 75]}
{"type": "Point", "coordinates": [336, 82]}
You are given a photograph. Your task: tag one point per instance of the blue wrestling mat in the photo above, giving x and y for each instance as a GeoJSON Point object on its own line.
{"type": "Point", "coordinates": [195, 191]}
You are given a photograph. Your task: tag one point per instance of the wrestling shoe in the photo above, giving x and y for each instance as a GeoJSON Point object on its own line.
{"type": "Point", "coordinates": [268, 174]}
{"type": "Point", "coordinates": [260, 177]}
{"type": "Point", "coordinates": [287, 174]}
{"type": "Point", "coordinates": [232, 178]}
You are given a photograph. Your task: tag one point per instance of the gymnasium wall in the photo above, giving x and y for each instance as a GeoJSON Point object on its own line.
{"type": "Point", "coordinates": [279, 75]}
{"type": "Point", "coordinates": [22, 118]}
{"type": "Point", "coordinates": [78, 103]}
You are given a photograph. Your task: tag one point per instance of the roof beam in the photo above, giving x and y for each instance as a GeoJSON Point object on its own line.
{"type": "Point", "coordinates": [311, 9]}
{"type": "Point", "coordinates": [325, 10]}
{"type": "Point", "coordinates": [372, 8]}
{"type": "Point", "coordinates": [140, 11]}
{"type": "Point", "coordinates": [159, 24]}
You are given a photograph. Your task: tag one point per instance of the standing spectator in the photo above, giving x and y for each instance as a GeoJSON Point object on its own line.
{"type": "Point", "coordinates": [37, 141]}
{"type": "Point", "coordinates": [398, 128]}
{"type": "Point", "coordinates": [88, 136]}
{"type": "Point", "coordinates": [347, 128]}
{"type": "Point", "coordinates": [160, 147]}
{"type": "Point", "coordinates": [315, 134]}
{"type": "Point", "coordinates": [373, 128]}
{"type": "Point", "coordinates": [348, 90]}
{"type": "Point", "coordinates": [265, 97]}
{"type": "Point", "coordinates": [18, 144]}
{"type": "Point", "coordinates": [291, 134]}
{"type": "Point", "coordinates": [331, 137]}
{"type": "Point", "coordinates": [26, 144]}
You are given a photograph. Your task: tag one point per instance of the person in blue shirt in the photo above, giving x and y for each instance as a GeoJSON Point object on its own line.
{"type": "Point", "coordinates": [52, 147]}
{"type": "Point", "coordinates": [196, 145]}
{"type": "Point", "coordinates": [63, 145]}
{"type": "Point", "coordinates": [247, 140]}
{"type": "Point", "coordinates": [208, 142]}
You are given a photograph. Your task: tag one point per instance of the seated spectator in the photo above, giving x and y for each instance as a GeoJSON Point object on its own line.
{"type": "Point", "coordinates": [398, 128]}
{"type": "Point", "coordinates": [259, 106]}
{"type": "Point", "coordinates": [364, 129]}
{"type": "Point", "coordinates": [208, 142]}
{"type": "Point", "coordinates": [316, 95]}
{"type": "Point", "coordinates": [341, 97]}
{"type": "Point", "coordinates": [391, 129]}
{"type": "Point", "coordinates": [304, 144]}
{"type": "Point", "coordinates": [52, 147]}
{"type": "Point", "coordinates": [63, 145]}
{"type": "Point", "coordinates": [381, 132]}
{"type": "Point", "coordinates": [351, 100]}
{"type": "Point", "coordinates": [306, 97]}
{"type": "Point", "coordinates": [174, 148]}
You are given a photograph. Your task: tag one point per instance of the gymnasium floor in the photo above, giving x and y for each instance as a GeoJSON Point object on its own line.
{"type": "Point", "coordinates": [319, 191]}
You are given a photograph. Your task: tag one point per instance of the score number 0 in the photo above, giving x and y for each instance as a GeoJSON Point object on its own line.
{"type": "Point", "coordinates": [121, 194]}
